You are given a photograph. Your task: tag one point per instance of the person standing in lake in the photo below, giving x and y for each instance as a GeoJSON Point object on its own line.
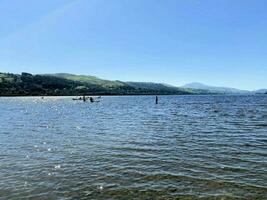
{"type": "Point", "coordinates": [157, 100]}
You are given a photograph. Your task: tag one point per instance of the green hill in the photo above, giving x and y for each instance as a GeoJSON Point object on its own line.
{"type": "Point", "coordinates": [89, 80]}
{"type": "Point", "coordinates": [69, 84]}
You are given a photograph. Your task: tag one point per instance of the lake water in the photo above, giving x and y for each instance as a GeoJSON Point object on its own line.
{"type": "Point", "coordinates": [186, 147]}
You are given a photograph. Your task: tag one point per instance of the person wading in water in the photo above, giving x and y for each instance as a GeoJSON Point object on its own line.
{"type": "Point", "coordinates": [157, 100]}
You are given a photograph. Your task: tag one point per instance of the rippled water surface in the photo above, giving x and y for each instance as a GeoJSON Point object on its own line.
{"type": "Point", "coordinates": [186, 147]}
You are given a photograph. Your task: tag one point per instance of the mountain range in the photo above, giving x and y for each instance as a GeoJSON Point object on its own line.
{"type": "Point", "coordinates": [70, 84]}
{"type": "Point", "coordinates": [214, 89]}
{"type": "Point", "coordinates": [222, 90]}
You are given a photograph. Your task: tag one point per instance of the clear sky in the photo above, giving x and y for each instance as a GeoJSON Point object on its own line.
{"type": "Point", "coordinates": [216, 42]}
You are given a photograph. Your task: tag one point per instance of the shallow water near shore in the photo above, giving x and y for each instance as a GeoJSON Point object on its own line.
{"type": "Point", "coordinates": [127, 147]}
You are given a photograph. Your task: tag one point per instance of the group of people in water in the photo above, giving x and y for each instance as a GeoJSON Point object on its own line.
{"type": "Point", "coordinates": [92, 100]}
{"type": "Point", "coordinates": [84, 99]}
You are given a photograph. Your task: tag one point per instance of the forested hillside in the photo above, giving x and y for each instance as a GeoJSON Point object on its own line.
{"type": "Point", "coordinates": [26, 84]}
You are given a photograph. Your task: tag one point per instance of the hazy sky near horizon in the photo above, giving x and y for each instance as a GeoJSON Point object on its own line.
{"type": "Point", "coordinates": [216, 42]}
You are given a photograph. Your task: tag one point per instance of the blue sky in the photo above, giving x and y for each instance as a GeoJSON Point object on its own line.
{"type": "Point", "coordinates": [217, 42]}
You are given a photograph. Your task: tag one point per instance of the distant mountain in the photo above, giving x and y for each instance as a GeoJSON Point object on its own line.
{"type": "Point", "coordinates": [213, 89]}
{"type": "Point", "coordinates": [261, 91]}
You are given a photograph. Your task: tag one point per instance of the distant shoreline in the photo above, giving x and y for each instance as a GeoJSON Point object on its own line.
{"type": "Point", "coordinates": [107, 95]}
{"type": "Point", "coordinates": [96, 95]}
